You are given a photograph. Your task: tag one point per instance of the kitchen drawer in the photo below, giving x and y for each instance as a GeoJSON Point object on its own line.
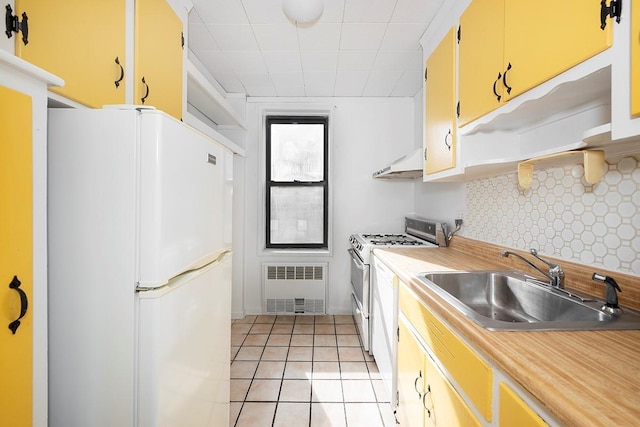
{"type": "Point", "coordinates": [471, 373]}
{"type": "Point", "coordinates": [514, 411]}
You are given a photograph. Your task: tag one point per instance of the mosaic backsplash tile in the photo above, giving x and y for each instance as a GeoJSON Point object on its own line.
{"type": "Point", "coordinates": [562, 215]}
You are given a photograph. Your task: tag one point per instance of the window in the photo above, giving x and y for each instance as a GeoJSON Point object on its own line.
{"type": "Point", "coordinates": [297, 182]}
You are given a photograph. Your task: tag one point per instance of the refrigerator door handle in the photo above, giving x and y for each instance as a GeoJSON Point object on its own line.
{"type": "Point", "coordinates": [172, 282]}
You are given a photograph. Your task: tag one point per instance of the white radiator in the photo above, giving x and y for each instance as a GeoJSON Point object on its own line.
{"type": "Point", "coordinates": [294, 288]}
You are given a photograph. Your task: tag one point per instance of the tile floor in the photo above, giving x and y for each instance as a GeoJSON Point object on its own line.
{"type": "Point", "coordinates": [304, 371]}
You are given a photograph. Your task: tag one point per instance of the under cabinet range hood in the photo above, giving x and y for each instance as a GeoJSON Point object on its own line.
{"type": "Point", "coordinates": [406, 167]}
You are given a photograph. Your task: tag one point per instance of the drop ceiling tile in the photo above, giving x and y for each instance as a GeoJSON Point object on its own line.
{"type": "Point", "coordinates": [403, 36]}
{"type": "Point", "coordinates": [266, 90]}
{"type": "Point", "coordinates": [200, 38]}
{"type": "Point", "coordinates": [381, 83]}
{"type": "Point", "coordinates": [415, 10]}
{"type": "Point", "coordinates": [369, 10]}
{"type": "Point", "coordinates": [194, 18]}
{"type": "Point", "coordinates": [409, 84]}
{"type": "Point", "coordinates": [319, 61]}
{"type": "Point", "coordinates": [246, 62]}
{"type": "Point", "coordinates": [319, 36]}
{"type": "Point", "coordinates": [265, 12]}
{"type": "Point", "coordinates": [361, 36]}
{"type": "Point", "coordinates": [350, 83]}
{"type": "Point", "coordinates": [255, 79]}
{"type": "Point", "coordinates": [398, 60]}
{"type": "Point", "coordinates": [233, 37]}
{"type": "Point", "coordinates": [356, 60]}
{"type": "Point", "coordinates": [288, 84]}
{"type": "Point", "coordinates": [276, 36]}
{"type": "Point", "coordinates": [220, 11]}
{"type": "Point", "coordinates": [230, 82]}
{"type": "Point", "coordinates": [215, 61]}
{"type": "Point", "coordinates": [282, 61]}
{"type": "Point", "coordinates": [318, 83]}
{"type": "Point", "coordinates": [333, 11]}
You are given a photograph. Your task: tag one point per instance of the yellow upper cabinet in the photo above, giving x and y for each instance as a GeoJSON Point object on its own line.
{"type": "Point", "coordinates": [543, 38]}
{"type": "Point", "coordinates": [16, 253]}
{"type": "Point", "coordinates": [635, 58]}
{"type": "Point", "coordinates": [158, 58]}
{"type": "Point", "coordinates": [440, 106]}
{"type": "Point", "coordinates": [480, 58]}
{"type": "Point", "coordinates": [508, 47]}
{"type": "Point", "coordinates": [78, 41]}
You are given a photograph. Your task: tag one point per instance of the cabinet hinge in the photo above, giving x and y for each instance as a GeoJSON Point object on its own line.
{"type": "Point", "coordinates": [458, 110]}
{"type": "Point", "coordinates": [425, 157]}
{"type": "Point", "coordinates": [425, 74]}
{"type": "Point", "coordinates": [398, 330]}
{"type": "Point", "coordinates": [13, 24]}
{"type": "Point", "coordinates": [459, 26]}
{"type": "Point", "coordinates": [614, 10]}
{"type": "Point", "coordinates": [182, 40]}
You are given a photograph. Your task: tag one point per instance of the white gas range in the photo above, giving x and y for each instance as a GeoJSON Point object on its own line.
{"type": "Point", "coordinates": [374, 302]}
{"type": "Point", "coordinates": [419, 233]}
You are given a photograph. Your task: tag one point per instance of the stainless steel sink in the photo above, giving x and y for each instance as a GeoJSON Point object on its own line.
{"type": "Point", "coordinates": [513, 301]}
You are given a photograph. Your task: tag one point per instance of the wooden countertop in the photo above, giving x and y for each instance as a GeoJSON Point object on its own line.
{"type": "Point", "coordinates": [584, 378]}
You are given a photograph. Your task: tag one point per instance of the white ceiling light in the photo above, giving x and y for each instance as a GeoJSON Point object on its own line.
{"type": "Point", "coordinates": [303, 11]}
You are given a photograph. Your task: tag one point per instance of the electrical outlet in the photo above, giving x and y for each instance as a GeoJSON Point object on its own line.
{"type": "Point", "coordinates": [458, 222]}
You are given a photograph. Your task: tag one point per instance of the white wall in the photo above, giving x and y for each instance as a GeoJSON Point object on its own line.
{"type": "Point", "coordinates": [366, 134]}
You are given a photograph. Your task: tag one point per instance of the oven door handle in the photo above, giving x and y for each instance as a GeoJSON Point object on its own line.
{"type": "Point", "coordinates": [356, 259]}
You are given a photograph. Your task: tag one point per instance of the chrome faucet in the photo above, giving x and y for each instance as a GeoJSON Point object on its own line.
{"type": "Point", "coordinates": [555, 273]}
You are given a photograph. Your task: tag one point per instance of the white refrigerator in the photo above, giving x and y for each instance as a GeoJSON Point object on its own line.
{"type": "Point", "coordinates": [139, 220]}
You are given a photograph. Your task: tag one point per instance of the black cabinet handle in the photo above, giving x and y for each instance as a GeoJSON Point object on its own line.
{"type": "Point", "coordinates": [495, 92]}
{"type": "Point", "coordinates": [24, 303]}
{"type": "Point", "coordinates": [415, 385]}
{"type": "Point", "coordinates": [424, 399]}
{"type": "Point", "coordinates": [146, 94]}
{"type": "Point", "coordinates": [504, 78]}
{"type": "Point", "coordinates": [446, 138]}
{"type": "Point", "coordinates": [117, 82]}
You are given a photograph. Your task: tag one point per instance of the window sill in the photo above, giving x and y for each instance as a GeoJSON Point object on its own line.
{"type": "Point", "coordinates": [299, 252]}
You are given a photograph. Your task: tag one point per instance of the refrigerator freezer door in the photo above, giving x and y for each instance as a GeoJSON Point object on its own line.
{"type": "Point", "coordinates": [181, 199]}
{"type": "Point", "coordinates": [184, 350]}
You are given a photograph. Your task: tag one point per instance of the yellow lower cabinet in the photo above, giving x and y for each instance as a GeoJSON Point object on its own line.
{"type": "Point", "coordinates": [514, 412]}
{"type": "Point", "coordinates": [16, 255]}
{"type": "Point", "coordinates": [411, 379]}
{"type": "Point", "coordinates": [470, 371]}
{"type": "Point", "coordinates": [426, 397]}
{"type": "Point", "coordinates": [448, 408]}
{"type": "Point", "coordinates": [635, 58]}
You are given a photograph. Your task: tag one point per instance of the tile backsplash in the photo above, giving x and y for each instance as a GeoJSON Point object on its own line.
{"type": "Point", "coordinates": [562, 215]}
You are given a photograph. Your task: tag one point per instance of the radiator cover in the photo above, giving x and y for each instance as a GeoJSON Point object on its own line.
{"type": "Point", "coordinates": [294, 288]}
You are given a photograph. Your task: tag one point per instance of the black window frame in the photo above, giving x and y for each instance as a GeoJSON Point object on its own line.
{"type": "Point", "coordinates": [324, 183]}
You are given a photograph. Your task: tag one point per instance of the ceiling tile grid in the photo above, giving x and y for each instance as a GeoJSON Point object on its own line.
{"type": "Point", "coordinates": [356, 47]}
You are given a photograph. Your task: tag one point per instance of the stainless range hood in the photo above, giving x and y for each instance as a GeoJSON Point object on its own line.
{"type": "Point", "coordinates": [406, 167]}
